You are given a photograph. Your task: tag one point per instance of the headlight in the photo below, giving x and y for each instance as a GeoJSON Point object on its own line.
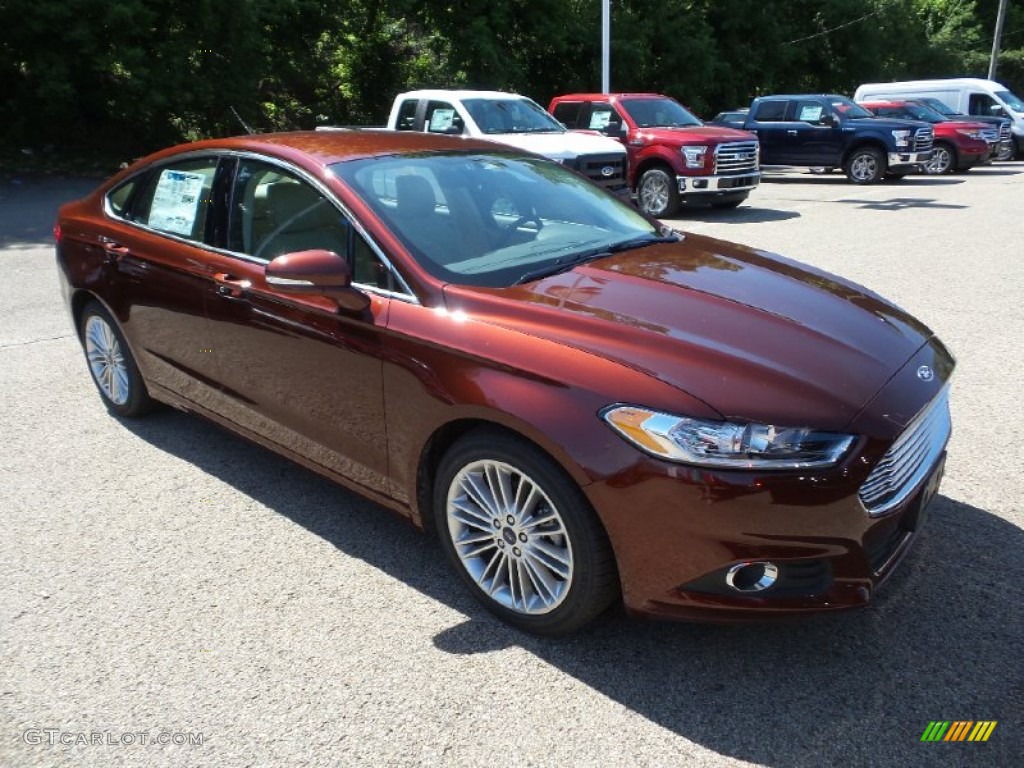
{"type": "Point", "coordinates": [902, 137]}
{"type": "Point", "coordinates": [971, 134]}
{"type": "Point", "coordinates": [695, 156]}
{"type": "Point", "coordinates": [724, 444]}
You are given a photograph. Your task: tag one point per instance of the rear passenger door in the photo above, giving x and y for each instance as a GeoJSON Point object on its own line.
{"type": "Point", "coordinates": [294, 369]}
{"type": "Point", "coordinates": [771, 126]}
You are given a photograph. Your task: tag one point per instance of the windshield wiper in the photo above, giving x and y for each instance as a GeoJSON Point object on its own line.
{"type": "Point", "coordinates": [565, 263]}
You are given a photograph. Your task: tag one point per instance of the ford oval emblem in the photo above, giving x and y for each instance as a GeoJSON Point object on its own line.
{"type": "Point", "coordinates": [924, 373]}
{"type": "Point", "coordinates": [607, 171]}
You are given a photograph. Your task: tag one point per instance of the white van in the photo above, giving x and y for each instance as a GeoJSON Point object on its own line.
{"type": "Point", "coordinates": [969, 95]}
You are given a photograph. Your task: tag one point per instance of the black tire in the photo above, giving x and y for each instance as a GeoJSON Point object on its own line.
{"type": "Point", "coordinates": [728, 201]}
{"type": "Point", "coordinates": [555, 530]}
{"type": "Point", "coordinates": [943, 159]}
{"type": "Point", "coordinates": [657, 194]}
{"type": "Point", "coordinates": [894, 177]}
{"type": "Point", "coordinates": [865, 165]}
{"type": "Point", "coordinates": [111, 365]}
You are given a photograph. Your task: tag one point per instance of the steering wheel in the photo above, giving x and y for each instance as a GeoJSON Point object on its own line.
{"type": "Point", "coordinates": [509, 232]}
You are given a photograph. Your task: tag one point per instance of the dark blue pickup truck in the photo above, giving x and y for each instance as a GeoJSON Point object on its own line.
{"type": "Point", "coordinates": [830, 131]}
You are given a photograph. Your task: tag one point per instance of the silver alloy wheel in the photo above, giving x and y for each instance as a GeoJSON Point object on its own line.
{"type": "Point", "coordinates": [106, 361]}
{"type": "Point", "coordinates": [941, 162]}
{"type": "Point", "coordinates": [509, 537]}
{"type": "Point", "coordinates": [864, 167]}
{"type": "Point", "coordinates": [654, 192]}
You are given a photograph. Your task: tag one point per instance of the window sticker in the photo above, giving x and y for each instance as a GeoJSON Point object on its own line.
{"type": "Point", "coordinates": [810, 113]}
{"type": "Point", "coordinates": [600, 120]}
{"type": "Point", "coordinates": [176, 202]}
{"type": "Point", "coordinates": [441, 120]}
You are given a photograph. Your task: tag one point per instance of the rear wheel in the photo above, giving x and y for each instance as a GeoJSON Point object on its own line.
{"type": "Point", "coordinates": [521, 534]}
{"type": "Point", "coordinates": [111, 363]}
{"type": "Point", "coordinates": [943, 159]}
{"type": "Point", "coordinates": [864, 166]}
{"type": "Point", "coordinates": [657, 193]}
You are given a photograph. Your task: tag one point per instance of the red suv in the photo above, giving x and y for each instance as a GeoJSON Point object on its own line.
{"type": "Point", "coordinates": [959, 146]}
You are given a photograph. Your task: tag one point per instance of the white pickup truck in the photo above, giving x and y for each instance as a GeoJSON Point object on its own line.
{"type": "Point", "coordinates": [517, 121]}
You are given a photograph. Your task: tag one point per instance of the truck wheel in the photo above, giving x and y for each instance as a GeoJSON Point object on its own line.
{"type": "Point", "coordinates": [864, 166]}
{"type": "Point", "coordinates": [657, 193]}
{"type": "Point", "coordinates": [1004, 153]}
{"type": "Point", "coordinates": [943, 159]}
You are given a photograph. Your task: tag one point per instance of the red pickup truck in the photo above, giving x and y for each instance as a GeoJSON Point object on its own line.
{"type": "Point", "coordinates": [673, 156]}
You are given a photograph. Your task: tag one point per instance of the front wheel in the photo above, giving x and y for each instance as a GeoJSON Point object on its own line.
{"type": "Point", "coordinates": [111, 363]}
{"type": "Point", "coordinates": [521, 534]}
{"type": "Point", "coordinates": [865, 166]}
{"type": "Point", "coordinates": [943, 160]}
{"type": "Point", "coordinates": [657, 193]}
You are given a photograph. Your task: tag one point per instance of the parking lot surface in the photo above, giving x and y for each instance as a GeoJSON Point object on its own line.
{"type": "Point", "coordinates": [171, 595]}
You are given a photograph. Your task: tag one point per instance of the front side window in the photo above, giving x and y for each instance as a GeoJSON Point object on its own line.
{"type": "Point", "coordinates": [983, 104]}
{"type": "Point", "coordinates": [274, 212]}
{"type": "Point", "coordinates": [442, 117]}
{"type": "Point", "coordinates": [176, 198]}
{"type": "Point", "coordinates": [492, 219]}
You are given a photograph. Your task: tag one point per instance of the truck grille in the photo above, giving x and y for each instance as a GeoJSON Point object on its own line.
{"type": "Point", "coordinates": [909, 459]}
{"type": "Point", "coordinates": [1004, 130]}
{"type": "Point", "coordinates": [990, 135]}
{"type": "Point", "coordinates": [923, 140]}
{"type": "Point", "coordinates": [736, 157]}
{"type": "Point", "coordinates": [603, 170]}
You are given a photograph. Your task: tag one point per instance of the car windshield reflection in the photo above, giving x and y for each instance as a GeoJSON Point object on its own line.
{"type": "Point", "coordinates": [488, 219]}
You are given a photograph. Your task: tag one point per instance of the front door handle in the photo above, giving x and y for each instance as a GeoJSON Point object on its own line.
{"type": "Point", "coordinates": [114, 251]}
{"type": "Point", "coordinates": [231, 286]}
{"type": "Point", "coordinates": [791, 132]}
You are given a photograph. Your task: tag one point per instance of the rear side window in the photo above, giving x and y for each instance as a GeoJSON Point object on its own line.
{"type": "Point", "coordinates": [176, 198]}
{"type": "Point", "coordinates": [771, 110]}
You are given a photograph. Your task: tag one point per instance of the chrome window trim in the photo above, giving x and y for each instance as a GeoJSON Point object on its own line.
{"type": "Point", "coordinates": [405, 294]}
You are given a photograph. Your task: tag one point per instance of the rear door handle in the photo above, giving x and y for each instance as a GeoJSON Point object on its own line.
{"type": "Point", "coordinates": [114, 251]}
{"type": "Point", "coordinates": [230, 286]}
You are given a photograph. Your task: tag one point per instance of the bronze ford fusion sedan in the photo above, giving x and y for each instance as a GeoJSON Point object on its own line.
{"type": "Point", "coordinates": [581, 403]}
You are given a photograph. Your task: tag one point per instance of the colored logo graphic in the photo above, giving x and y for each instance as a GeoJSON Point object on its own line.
{"type": "Point", "coordinates": [959, 730]}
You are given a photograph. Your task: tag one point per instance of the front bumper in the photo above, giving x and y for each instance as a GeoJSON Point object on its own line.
{"type": "Point", "coordinates": [897, 159]}
{"type": "Point", "coordinates": [717, 185]}
{"type": "Point", "coordinates": [678, 531]}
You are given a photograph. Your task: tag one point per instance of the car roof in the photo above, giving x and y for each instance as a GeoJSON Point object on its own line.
{"type": "Point", "coordinates": [457, 94]}
{"type": "Point", "coordinates": [606, 96]}
{"type": "Point", "coordinates": [337, 145]}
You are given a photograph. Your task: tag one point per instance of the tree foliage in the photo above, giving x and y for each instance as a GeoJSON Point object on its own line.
{"type": "Point", "coordinates": [134, 75]}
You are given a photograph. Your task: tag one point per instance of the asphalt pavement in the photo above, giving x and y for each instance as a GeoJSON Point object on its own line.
{"type": "Point", "coordinates": [172, 595]}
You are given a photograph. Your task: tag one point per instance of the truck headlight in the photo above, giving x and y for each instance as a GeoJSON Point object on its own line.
{"type": "Point", "coordinates": [725, 444]}
{"type": "Point", "coordinates": [694, 156]}
{"type": "Point", "coordinates": [902, 137]}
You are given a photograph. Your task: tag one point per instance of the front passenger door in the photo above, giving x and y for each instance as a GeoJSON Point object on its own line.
{"type": "Point", "coordinates": [295, 369]}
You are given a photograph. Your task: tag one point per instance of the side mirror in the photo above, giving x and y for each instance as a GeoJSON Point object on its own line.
{"type": "Point", "coordinates": [319, 273]}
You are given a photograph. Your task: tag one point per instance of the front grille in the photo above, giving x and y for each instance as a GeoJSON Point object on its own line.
{"type": "Point", "coordinates": [1004, 131]}
{"type": "Point", "coordinates": [990, 135]}
{"type": "Point", "coordinates": [908, 461]}
{"type": "Point", "coordinates": [923, 140]}
{"type": "Point", "coordinates": [604, 170]}
{"type": "Point", "coordinates": [736, 157]}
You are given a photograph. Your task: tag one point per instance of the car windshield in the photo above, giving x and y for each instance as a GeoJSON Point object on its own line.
{"type": "Point", "coordinates": [493, 219]}
{"type": "Point", "coordinates": [939, 106]}
{"type": "Point", "coordinates": [849, 108]}
{"type": "Point", "coordinates": [1011, 100]}
{"type": "Point", "coordinates": [494, 116]}
{"type": "Point", "coordinates": [912, 111]}
{"type": "Point", "coordinates": [659, 113]}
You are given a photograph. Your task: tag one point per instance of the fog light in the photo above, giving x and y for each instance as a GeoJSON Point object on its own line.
{"type": "Point", "coordinates": [752, 577]}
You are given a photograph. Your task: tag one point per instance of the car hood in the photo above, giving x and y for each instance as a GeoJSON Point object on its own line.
{"type": "Point", "coordinates": [890, 123]}
{"type": "Point", "coordinates": [751, 334]}
{"type": "Point", "coordinates": [712, 135]}
{"type": "Point", "coordinates": [560, 146]}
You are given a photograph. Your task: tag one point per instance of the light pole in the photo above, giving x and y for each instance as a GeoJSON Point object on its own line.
{"type": "Point", "coordinates": [994, 61]}
{"type": "Point", "coordinates": [606, 45]}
